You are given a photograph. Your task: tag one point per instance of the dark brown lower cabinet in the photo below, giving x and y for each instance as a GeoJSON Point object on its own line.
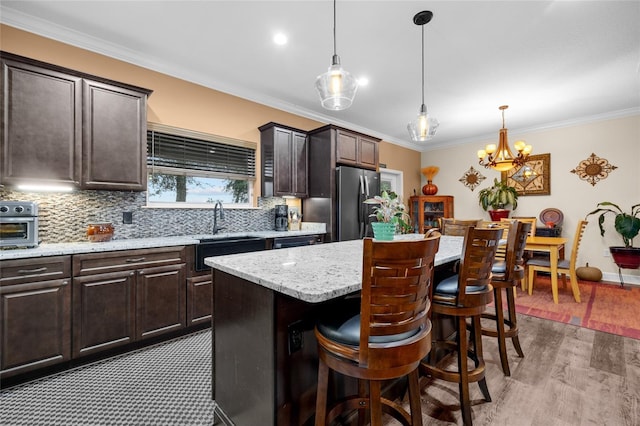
{"type": "Point", "coordinates": [114, 299]}
{"type": "Point", "coordinates": [35, 314]}
{"type": "Point", "coordinates": [127, 296]}
{"type": "Point", "coordinates": [103, 312]}
{"type": "Point", "coordinates": [160, 300]}
{"type": "Point", "coordinates": [199, 299]}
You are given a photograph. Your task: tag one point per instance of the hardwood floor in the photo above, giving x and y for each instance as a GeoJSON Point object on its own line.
{"type": "Point", "coordinates": [569, 376]}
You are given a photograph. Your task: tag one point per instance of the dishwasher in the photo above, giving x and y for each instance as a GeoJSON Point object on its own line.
{"type": "Point", "coordinates": [305, 240]}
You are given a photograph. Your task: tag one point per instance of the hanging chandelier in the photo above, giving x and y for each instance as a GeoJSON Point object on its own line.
{"type": "Point", "coordinates": [337, 87]}
{"type": "Point", "coordinates": [423, 127]}
{"type": "Point", "coordinates": [500, 157]}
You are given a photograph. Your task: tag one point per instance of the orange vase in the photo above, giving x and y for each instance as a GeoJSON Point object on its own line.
{"type": "Point", "coordinates": [430, 189]}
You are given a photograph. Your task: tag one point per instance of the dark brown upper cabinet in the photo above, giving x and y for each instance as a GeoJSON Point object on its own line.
{"type": "Point", "coordinates": [65, 127]}
{"type": "Point", "coordinates": [284, 161]}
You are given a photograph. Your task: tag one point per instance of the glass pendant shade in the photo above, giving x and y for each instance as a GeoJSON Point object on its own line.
{"type": "Point", "coordinates": [337, 87]}
{"type": "Point", "coordinates": [423, 127]}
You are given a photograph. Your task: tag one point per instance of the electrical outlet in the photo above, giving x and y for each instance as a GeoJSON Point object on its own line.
{"type": "Point", "coordinates": [296, 340]}
{"type": "Point", "coordinates": [606, 252]}
{"type": "Point", "coordinates": [127, 218]}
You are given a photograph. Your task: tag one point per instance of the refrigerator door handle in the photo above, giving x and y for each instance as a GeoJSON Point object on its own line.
{"type": "Point", "coordinates": [366, 183]}
{"type": "Point", "coordinates": [361, 210]}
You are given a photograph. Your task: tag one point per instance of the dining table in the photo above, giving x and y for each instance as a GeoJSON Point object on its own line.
{"type": "Point", "coordinates": [555, 247]}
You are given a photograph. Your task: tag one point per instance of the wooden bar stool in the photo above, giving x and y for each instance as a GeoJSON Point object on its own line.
{"type": "Point", "coordinates": [463, 296]}
{"type": "Point", "coordinates": [506, 274]}
{"type": "Point", "coordinates": [387, 338]}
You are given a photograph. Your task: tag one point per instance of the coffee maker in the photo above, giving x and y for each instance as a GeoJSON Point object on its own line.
{"type": "Point", "coordinates": [282, 219]}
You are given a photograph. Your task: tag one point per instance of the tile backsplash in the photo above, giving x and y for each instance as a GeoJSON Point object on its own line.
{"type": "Point", "coordinates": [64, 217]}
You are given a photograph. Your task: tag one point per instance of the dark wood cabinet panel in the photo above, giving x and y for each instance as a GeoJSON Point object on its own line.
{"type": "Point", "coordinates": [36, 325]}
{"type": "Point", "coordinates": [35, 313]}
{"type": "Point", "coordinates": [199, 299]}
{"type": "Point", "coordinates": [42, 125]}
{"type": "Point", "coordinates": [355, 149]}
{"type": "Point", "coordinates": [125, 296]}
{"type": "Point", "coordinates": [114, 137]}
{"type": "Point", "coordinates": [160, 300]}
{"type": "Point", "coordinates": [284, 161]}
{"type": "Point", "coordinates": [368, 152]}
{"type": "Point", "coordinates": [103, 312]}
{"type": "Point", "coordinates": [346, 147]}
{"type": "Point", "coordinates": [66, 127]}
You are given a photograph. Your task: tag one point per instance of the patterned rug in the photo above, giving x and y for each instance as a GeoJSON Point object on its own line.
{"type": "Point", "coordinates": [604, 307]}
{"type": "Point", "coordinates": [168, 384]}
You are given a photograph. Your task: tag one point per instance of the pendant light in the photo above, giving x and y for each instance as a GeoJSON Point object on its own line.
{"type": "Point", "coordinates": [500, 157]}
{"type": "Point", "coordinates": [336, 87]}
{"type": "Point", "coordinates": [423, 127]}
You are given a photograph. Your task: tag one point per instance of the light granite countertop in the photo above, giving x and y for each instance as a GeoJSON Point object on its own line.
{"type": "Point", "coordinates": [314, 273]}
{"type": "Point", "coordinates": [57, 249]}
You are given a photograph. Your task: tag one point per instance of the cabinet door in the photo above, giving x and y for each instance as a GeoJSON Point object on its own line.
{"type": "Point", "coordinates": [36, 325]}
{"type": "Point", "coordinates": [42, 127]}
{"type": "Point", "coordinates": [300, 164]}
{"type": "Point", "coordinates": [160, 299]}
{"type": "Point", "coordinates": [199, 299]}
{"type": "Point", "coordinates": [283, 163]}
{"type": "Point", "coordinates": [346, 148]}
{"type": "Point", "coordinates": [103, 311]}
{"type": "Point", "coordinates": [368, 152]}
{"type": "Point", "coordinates": [114, 138]}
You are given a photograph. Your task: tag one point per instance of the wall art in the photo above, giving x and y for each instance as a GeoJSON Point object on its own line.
{"type": "Point", "coordinates": [531, 178]}
{"type": "Point", "coordinates": [471, 178]}
{"type": "Point", "coordinates": [594, 169]}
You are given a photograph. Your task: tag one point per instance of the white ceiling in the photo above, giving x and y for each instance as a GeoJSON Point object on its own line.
{"type": "Point", "coordinates": [553, 62]}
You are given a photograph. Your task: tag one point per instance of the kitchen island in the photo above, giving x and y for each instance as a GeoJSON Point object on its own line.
{"type": "Point", "coordinates": [264, 351]}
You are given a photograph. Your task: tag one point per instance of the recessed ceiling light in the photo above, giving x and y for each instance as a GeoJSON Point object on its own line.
{"type": "Point", "coordinates": [280, 39]}
{"type": "Point", "coordinates": [363, 81]}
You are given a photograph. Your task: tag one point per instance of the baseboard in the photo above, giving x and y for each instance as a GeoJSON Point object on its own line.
{"type": "Point", "coordinates": [615, 278]}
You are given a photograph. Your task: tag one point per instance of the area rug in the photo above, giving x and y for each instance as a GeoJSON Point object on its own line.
{"type": "Point", "coordinates": [604, 307]}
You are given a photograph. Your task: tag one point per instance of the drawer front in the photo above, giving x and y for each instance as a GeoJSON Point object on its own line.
{"type": "Point", "coordinates": [100, 263]}
{"type": "Point", "coordinates": [21, 271]}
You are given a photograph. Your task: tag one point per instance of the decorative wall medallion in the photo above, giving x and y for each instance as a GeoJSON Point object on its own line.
{"type": "Point", "coordinates": [471, 178]}
{"type": "Point", "coordinates": [594, 169]}
{"type": "Point", "coordinates": [533, 177]}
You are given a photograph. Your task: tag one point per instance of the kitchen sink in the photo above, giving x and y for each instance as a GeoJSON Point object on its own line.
{"type": "Point", "coordinates": [209, 247]}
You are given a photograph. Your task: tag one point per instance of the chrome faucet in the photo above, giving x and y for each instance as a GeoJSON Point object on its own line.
{"type": "Point", "coordinates": [215, 216]}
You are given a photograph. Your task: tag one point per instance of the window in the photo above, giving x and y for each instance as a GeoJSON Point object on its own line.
{"type": "Point", "coordinates": [187, 168]}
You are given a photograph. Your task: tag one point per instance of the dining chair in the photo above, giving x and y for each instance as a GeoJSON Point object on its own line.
{"type": "Point", "coordinates": [389, 335]}
{"type": "Point", "coordinates": [464, 296]}
{"type": "Point", "coordinates": [506, 274]}
{"type": "Point", "coordinates": [528, 219]}
{"type": "Point", "coordinates": [456, 227]}
{"type": "Point", "coordinates": [565, 267]}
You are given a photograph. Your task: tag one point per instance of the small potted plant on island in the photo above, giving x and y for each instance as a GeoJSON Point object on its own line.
{"type": "Point", "coordinates": [498, 197]}
{"type": "Point", "coordinates": [628, 226]}
{"type": "Point", "coordinates": [391, 216]}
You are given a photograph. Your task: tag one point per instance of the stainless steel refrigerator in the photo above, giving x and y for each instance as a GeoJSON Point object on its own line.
{"type": "Point", "coordinates": [353, 186]}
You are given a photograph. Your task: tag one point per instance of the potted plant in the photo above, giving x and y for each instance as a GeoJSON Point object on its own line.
{"type": "Point", "coordinates": [391, 215]}
{"type": "Point", "coordinates": [498, 197]}
{"type": "Point", "coordinates": [628, 226]}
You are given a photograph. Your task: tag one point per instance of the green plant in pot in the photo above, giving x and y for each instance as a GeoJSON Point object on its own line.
{"type": "Point", "coordinates": [628, 226]}
{"type": "Point", "coordinates": [498, 197]}
{"type": "Point", "coordinates": [391, 215]}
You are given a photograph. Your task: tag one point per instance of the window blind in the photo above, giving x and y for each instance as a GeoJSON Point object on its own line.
{"type": "Point", "coordinates": [176, 151]}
